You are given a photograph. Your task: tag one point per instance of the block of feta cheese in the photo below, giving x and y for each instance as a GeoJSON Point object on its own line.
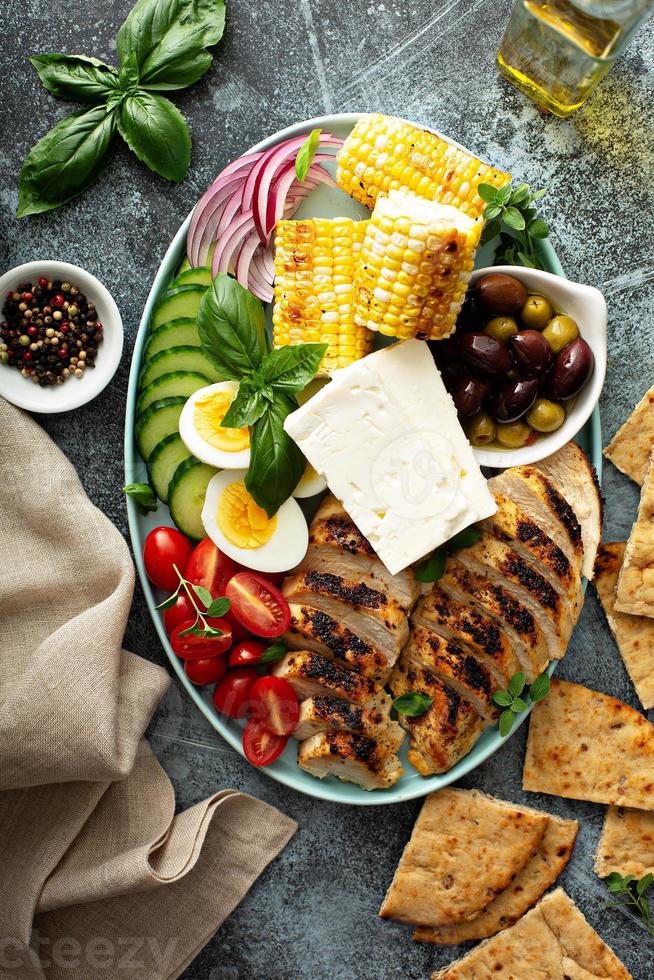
{"type": "Point", "coordinates": [386, 436]}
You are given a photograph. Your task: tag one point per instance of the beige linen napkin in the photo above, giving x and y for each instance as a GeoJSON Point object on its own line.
{"type": "Point", "coordinates": [91, 853]}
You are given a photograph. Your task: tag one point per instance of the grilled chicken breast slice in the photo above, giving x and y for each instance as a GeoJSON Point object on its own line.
{"type": "Point", "coordinates": [538, 497]}
{"type": "Point", "coordinates": [453, 665]}
{"type": "Point", "coordinates": [322, 714]}
{"type": "Point", "coordinates": [456, 621]}
{"type": "Point", "coordinates": [350, 757]}
{"type": "Point", "coordinates": [504, 567]}
{"type": "Point", "coordinates": [512, 617]}
{"type": "Point", "coordinates": [312, 675]}
{"type": "Point", "coordinates": [314, 629]}
{"type": "Point", "coordinates": [446, 731]}
{"type": "Point", "coordinates": [571, 471]}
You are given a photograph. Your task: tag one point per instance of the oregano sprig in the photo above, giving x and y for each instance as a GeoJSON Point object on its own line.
{"type": "Point", "coordinates": [212, 607]}
{"type": "Point", "coordinates": [630, 893]}
{"type": "Point", "coordinates": [513, 702]}
{"type": "Point", "coordinates": [511, 216]}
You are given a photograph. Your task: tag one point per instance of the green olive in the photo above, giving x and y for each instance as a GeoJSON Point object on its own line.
{"type": "Point", "coordinates": [501, 327]}
{"type": "Point", "coordinates": [546, 416]}
{"type": "Point", "coordinates": [512, 435]}
{"type": "Point", "coordinates": [537, 312]}
{"type": "Point", "coordinates": [481, 429]}
{"type": "Point", "coordinates": [560, 331]}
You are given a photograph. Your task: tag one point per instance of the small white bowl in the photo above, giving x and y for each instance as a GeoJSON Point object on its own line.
{"type": "Point", "coordinates": [587, 306]}
{"type": "Point", "coordinates": [75, 391]}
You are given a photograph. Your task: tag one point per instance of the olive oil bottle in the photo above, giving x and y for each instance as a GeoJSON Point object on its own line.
{"type": "Point", "coordinates": [556, 51]}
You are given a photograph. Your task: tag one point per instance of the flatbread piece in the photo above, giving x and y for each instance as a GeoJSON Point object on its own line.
{"type": "Point", "coordinates": [529, 885]}
{"type": "Point", "coordinates": [465, 848]}
{"type": "Point", "coordinates": [627, 843]}
{"type": "Point", "coordinates": [635, 589]}
{"type": "Point", "coordinates": [589, 746]}
{"type": "Point", "coordinates": [630, 447]}
{"type": "Point", "coordinates": [634, 635]}
{"type": "Point", "coordinates": [552, 942]}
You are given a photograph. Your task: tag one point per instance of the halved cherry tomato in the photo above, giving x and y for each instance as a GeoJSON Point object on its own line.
{"type": "Point", "coordinates": [179, 613]}
{"type": "Point", "coordinates": [209, 567]}
{"type": "Point", "coordinates": [246, 654]}
{"type": "Point", "coordinates": [232, 696]}
{"type": "Point", "coordinates": [260, 746]}
{"type": "Point", "coordinates": [275, 705]}
{"type": "Point", "coordinates": [258, 605]}
{"type": "Point", "coordinates": [206, 671]}
{"type": "Point", "coordinates": [239, 632]}
{"type": "Point", "coordinates": [163, 548]}
{"type": "Point", "coordinates": [198, 647]}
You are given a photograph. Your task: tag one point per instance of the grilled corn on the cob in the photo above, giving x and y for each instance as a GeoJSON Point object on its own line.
{"type": "Point", "coordinates": [414, 267]}
{"type": "Point", "coordinates": [315, 262]}
{"type": "Point", "coordinates": [383, 153]}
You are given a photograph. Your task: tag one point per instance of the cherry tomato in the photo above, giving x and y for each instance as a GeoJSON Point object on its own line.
{"type": "Point", "coordinates": [239, 632]}
{"type": "Point", "coordinates": [246, 654]}
{"type": "Point", "coordinates": [232, 696]}
{"type": "Point", "coordinates": [260, 746]}
{"type": "Point", "coordinates": [163, 548]}
{"type": "Point", "coordinates": [209, 567]}
{"type": "Point", "coordinates": [258, 604]}
{"type": "Point", "coordinates": [179, 613]}
{"type": "Point", "coordinates": [198, 647]}
{"type": "Point", "coordinates": [206, 671]}
{"type": "Point", "coordinates": [275, 705]}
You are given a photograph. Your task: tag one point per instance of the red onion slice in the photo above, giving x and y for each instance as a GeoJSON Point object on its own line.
{"type": "Point", "coordinates": [232, 175]}
{"type": "Point", "coordinates": [229, 241]}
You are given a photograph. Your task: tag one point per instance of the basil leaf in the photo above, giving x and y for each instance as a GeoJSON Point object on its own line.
{"type": "Point", "coordinates": [502, 699]}
{"type": "Point", "coordinates": [487, 192]}
{"type": "Point", "coordinates": [432, 568]}
{"type": "Point", "coordinates": [277, 651]}
{"type": "Point", "coordinates": [65, 161]}
{"type": "Point", "coordinates": [463, 539]}
{"type": "Point", "coordinates": [232, 329]}
{"type": "Point", "coordinates": [412, 703]}
{"type": "Point", "coordinates": [75, 77]}
{"type": "Point", "coordinates": [540, 687]}
{"type": "Point", "coordinates": [290, 369]}
{"type": "Point", "coordinates": [249, 405]}
{"type": "Point", "coordinates": [276, 463]}
{"type": "Point", "coordinates": [218, 607]}
{"type": "Point", "coordinates": [143, 494]}
{"type": "Point", "coordinates": [306, 154]}
{"type": "Point", "coordinates": [506, 722]}
{"type": "Point", "coordinates": [156, 131]}
{"type": "Point", "coordinates": [203, 595]}
{"type": "Point", "coordinates": [128, 76]}
{"type": "Point", "coordinates": [517, 684]}
{"type": "Point", "coordinates": [169, 38]}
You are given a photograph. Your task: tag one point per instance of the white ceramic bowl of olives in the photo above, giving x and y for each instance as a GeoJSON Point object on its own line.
{"type": "Point", "coordinates": [526, 364]}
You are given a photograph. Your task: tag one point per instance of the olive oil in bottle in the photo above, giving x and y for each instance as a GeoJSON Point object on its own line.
{"type": "Point", "coordinates": [556, 51]}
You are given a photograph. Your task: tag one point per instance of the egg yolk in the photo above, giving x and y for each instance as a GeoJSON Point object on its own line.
{"type": "Point", "coordinates": [241, 520]}
{"type": "Point", "coordinates": [309, 472]}
{"type": "Point", "coordinates": [208, 413]}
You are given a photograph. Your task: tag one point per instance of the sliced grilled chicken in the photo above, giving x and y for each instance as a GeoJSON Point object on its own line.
{"type": "Point", "coordinates": [572, 472]}
{"type": "Point", "coordinates": [446, 731]}
{"type": "Point", "coordinates": [504, 567]}
{"type": "Point", "coordinates": [513, 526]}
{"type": "Point", "coordinates": [538, 497]}
{"type": "Point", "coordinates": [351, 758]}
{"type": "Point", "coordinates": [456, 621]}
{"type": "Point", "coordinates": [367, 612]}
{"type": "Point", "coordinates": [312, 675]}
{"type": "Point", "coordinates": [322, 714]}
{"type": "Point", "coordinates": [452, 664]}
{"type": "Point", "coordinates": [337, 546]}
{"type": "Point", "coordinates": [313, 629]}
{"type": "Point", "coordinates": [513, 618]}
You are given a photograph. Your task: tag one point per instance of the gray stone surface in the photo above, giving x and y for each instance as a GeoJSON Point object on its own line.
{"type": "Point", "coordinates": [313, 913]}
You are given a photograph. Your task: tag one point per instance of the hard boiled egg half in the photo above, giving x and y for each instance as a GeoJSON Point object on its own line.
{"type": "Point", "coordinates": [239, 527]}
{"type": "Point", "coordinates": [311, 483]}
{"type": "Point", "coordinates": [202, 432]}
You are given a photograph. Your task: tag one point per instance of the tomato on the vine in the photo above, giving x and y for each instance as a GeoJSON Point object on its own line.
{"type": "Point", "coordinates": [164, 548]}
{"type": "Point", "coordinates": [232, 696]}
{"type": "Point", "coordinates": [205, 671]}
{"type": "Point", "coordinates": [192, 647]}
{"type": "Point", "coordinates": [275, 704]}
{"type": "Point", "coordinates": [258, 604]}
{"type": "Point", "coordinates": [260, 746]}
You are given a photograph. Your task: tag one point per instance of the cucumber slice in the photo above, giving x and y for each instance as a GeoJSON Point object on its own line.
{"type": "Point", "coordinates": [182, 332]}
{"type": "Point", "coordinates": [157, 422]}
{"type": "Point", "coordinates": [168, 386]}
{"type": "Point", "coordinates": [164, 460]}
{"type": "Point", "coordinates": [184, 265]}
{"type": "Point", "coordinates": [191, 277]}
{"type": "Point", "coordinates": [177, 359]}
{"type": "Point", "coordinates": [184, 301]}
{"type": "Point", "coordinates": [186, 495]}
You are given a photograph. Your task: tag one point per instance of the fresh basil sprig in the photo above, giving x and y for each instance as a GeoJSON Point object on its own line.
{"type": "Point", "coordinates": [232, 330]}
{"type": "Point", "coordinates": [511, 217]}
{"type": "Point", "coordinates": [144, 496]}
{"type": "Point", "coordinates": [513, 701]}
{"type": "Point", "coordinates": [631, 896]}
{"type": "Point", "coordinates": [277, 651]}
{"type": "Point", "coordinates": [161, 46]}
{"type": "Point", "coordinates": [433, 568]}
{"type": "Point", "coordinates": [306, 153]}
{"type": "Point", "coordinates": [412, 704]}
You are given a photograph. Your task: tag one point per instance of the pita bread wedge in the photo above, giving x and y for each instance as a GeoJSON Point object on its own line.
{"type": "Point", "coordinates": [529, 885]}
{"type": "Point", "coordinates": [635, 589]}
{"type": "Point", "coordinates": [552, 942]}
{"type": "Point", "coordinates": [465, 848]}
{"type": "Point", "coordinates": [588, 746]}
{"type": "Point", "coordinates": [634, 635]}
{"type": "Point", "coordinates": [627, 843]}
{"type": "Point", "coordinates": [630, 447]}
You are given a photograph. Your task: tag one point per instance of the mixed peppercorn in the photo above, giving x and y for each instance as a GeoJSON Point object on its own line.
{"type": "Point", "coordinates": [49, 331]}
